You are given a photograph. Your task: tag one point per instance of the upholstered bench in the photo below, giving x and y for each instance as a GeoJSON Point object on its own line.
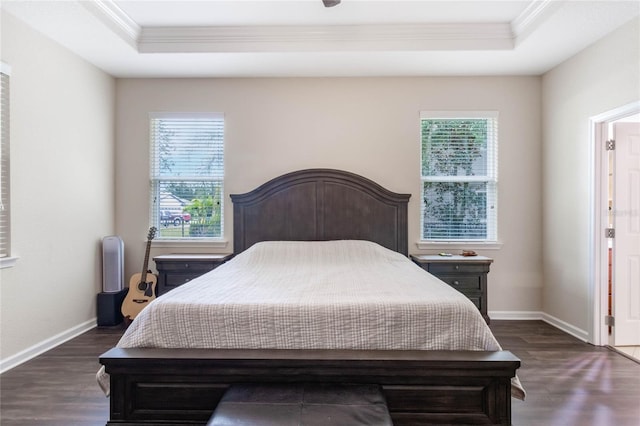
{"type": "Point", "coordinates": [302, 405]}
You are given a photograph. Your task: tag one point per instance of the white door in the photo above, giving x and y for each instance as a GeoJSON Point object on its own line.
{"type": "Point", "coordinates": [626, 244]}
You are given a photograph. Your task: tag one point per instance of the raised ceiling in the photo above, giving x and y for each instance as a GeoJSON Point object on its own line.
{"type": "Point", "coordinates": [303, 38]}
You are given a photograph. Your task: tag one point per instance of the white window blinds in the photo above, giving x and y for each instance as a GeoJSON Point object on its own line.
{"type": "Point", "coordinates": [5, 182]}
{"type": "Point", "coordinates": [187, 175]}
{"type": "Point", "coordinates": [459, 176]}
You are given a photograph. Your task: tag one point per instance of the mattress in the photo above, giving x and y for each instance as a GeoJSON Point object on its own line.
{"type": "Point", "coordinates": [313, 295]}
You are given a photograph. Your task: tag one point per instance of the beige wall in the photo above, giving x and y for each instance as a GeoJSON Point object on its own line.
{"type": "Point", "coordinates": [70, 187]}
{"type": "Point", "coordinates": [62, 189]}
{"type": "Point", "coordinates": [369, 126]}
{"type": "Point", "coordinates": [602, 77]}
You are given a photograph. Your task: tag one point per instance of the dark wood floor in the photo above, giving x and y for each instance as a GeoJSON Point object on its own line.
{"type": "Point", "coordinates": [568, 382]}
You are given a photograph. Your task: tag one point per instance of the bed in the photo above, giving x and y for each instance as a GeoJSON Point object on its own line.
{"type": "Point", "coordinates": [255, 320]}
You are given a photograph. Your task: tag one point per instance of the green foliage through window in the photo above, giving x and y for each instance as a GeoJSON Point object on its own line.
{"type": "Point", "coordinates": [459, 175]}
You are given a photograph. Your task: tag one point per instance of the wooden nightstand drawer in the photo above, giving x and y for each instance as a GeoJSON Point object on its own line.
{"type": "Point", "coordinates": [182, 266]}
{"type": "Point", "coordinates": [456, 268]}
{"type": "Point", "coordinates": [177, 269]}
{"type": "Point", "coordinates": [177, 279]}
{"type": "Point", "coordinates": [460, 282]}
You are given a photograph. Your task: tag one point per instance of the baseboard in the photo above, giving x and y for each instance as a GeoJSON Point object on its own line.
{"type": "Point", "coordinates": [566, 327]}
{"type": "Point", "coordinates": [541, 316]}
{"type": "Point", "coordinates": [50, 343]}
{"type": "Point", "coordinates": [516, 315]}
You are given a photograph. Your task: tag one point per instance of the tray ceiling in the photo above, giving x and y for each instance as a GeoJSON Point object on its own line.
{"type": "Point", "coordinates": [303, 38]}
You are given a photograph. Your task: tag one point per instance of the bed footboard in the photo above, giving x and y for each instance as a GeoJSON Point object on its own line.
{"type": "Point", "coordinates": [170, 386]}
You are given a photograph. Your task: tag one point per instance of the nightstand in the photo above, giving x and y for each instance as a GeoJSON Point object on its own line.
{"type": "Point", "coordinates": [177, 269]}
{"type": "Point", "coordinates": [468, 275]}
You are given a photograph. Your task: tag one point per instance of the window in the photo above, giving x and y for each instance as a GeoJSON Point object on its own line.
{"type": "Point", "coordinates": [5, 184]}
{"type": "Point", "coordinates": [187, 175]}
{"type": "Point", "coordinates": [459, 176]}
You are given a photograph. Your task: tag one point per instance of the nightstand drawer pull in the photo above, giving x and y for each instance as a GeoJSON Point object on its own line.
{"type": "Point", "coordinates": [463, 282]}
{"type": "Point", "coordinates": [175, 280]}
{"type": "Point", "coordinates": [186, 266]}
{"type": "Point", "coordinates": [455, 268]}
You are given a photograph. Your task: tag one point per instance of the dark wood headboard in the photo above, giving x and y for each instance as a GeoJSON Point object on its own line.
{"type": "Point", "coordinates": [320, 205]}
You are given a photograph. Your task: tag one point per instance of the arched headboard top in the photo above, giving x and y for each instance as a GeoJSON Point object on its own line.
{"type": "Point", "coordinates": [320, 205]}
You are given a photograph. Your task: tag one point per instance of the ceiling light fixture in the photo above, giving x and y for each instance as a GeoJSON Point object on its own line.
{"type": "Point", "coordinates": [330, 3]}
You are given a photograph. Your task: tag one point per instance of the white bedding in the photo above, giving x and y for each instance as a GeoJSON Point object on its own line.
{"type": "Point", "coordinates": [313, 295]}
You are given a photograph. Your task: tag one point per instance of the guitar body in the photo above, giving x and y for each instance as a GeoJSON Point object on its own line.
{"type": "Point", "coordinates": [139, 295]}
{"type": "Point", "coordinates": [142, 286]}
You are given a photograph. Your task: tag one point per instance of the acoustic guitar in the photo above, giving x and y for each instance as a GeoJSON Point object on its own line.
{"type": "Point", "coordinates": [142, 286]}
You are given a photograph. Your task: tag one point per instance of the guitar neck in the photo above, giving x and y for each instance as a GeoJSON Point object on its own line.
{"type": "Point", "coordinates": [145, 265]}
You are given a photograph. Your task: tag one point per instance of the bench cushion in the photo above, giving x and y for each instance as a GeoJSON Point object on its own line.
{"type": "Point", "coordinates": [302, 405]}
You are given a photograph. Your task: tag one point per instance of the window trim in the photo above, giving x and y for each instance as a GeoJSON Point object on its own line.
{"type": "Point", "coordinates": [458, 245]}
{"type": "Point", "coordinates": [492, 176]}
{"type": "Point", "coordinates": [177, 242]}
{"type": "Point", "coordinates": [10, 259]}
{"type": "Point", "coordinates": [5, 68]}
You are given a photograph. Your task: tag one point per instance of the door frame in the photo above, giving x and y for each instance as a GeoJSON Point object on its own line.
{"type": "Point", "coordinates": [598, 253]}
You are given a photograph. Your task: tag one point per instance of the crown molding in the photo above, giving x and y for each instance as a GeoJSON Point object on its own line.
{"type": "Point", "coordinates": [291, 38]}
{"type": "Point", "coordinates": [116, 19]}
{"type": "Point", "coordinates": [532, 17]}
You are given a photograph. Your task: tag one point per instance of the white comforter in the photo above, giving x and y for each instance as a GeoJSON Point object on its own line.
{"type": "Point", "coordinates": [313, 295]}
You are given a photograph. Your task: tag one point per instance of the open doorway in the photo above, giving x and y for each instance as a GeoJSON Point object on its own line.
{"type": "Point", "coordinates": [616, 227]}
